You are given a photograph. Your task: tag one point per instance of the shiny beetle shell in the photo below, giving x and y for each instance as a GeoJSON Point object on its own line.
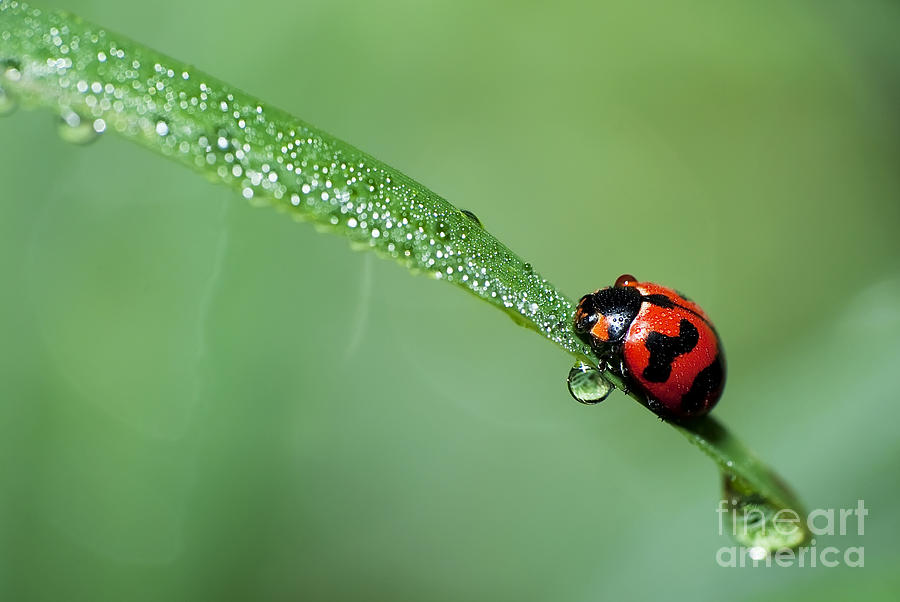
{"type": "Point", "coordinates": [658, 341]}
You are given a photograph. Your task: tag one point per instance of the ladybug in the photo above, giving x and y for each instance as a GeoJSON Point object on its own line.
{"type": "Point", "coordinates": [658, 341]}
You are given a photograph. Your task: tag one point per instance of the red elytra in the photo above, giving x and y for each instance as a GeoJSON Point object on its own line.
{"type": "Point", "coordinates": [661, 343]}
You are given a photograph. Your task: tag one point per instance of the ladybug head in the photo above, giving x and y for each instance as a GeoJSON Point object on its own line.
{"type": "Point", "coordinates": [603, 317]}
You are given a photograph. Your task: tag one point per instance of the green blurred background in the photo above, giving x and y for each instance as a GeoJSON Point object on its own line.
{"type": "Point", "coordinates": [204, 401]}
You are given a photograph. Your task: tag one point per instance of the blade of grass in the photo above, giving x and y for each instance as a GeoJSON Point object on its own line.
{"type": "Point", "coordinates": [98, 81]}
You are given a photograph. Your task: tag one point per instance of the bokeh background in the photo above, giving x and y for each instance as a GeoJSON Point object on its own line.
{"type": "Point", "coordinates": [204, 401]}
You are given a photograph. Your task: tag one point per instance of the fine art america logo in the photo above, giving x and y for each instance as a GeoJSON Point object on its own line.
{"type": "Point", "coordinates": [819, 522]}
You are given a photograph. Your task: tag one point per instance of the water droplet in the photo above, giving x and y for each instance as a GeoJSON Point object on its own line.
{"type": "Point", "coordinates": [625, 280]}
{"type": "Point", "coordinates": [76, 129]}
{"type": "Point", "coordinates": [472, 217]}
{"type": "Point", "coordinates": [587, 385]}
{"type": "Point", "coordinates": [8, 103]}
{"type": "Point", "coordinates": [11, 69]}
{"type": "Point", "coordinates": [527, 267]}
{"type": "Point", "coordinates": [162, 128]}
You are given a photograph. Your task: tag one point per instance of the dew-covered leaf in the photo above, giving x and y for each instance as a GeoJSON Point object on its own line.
{"type": "Point", "coordinates": [98, 82]}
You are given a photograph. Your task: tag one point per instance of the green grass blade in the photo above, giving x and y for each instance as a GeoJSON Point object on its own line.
{"type": "Point", "coordinates": [98, 81]}
{"type": "Point", "coordinates": [102, 81]}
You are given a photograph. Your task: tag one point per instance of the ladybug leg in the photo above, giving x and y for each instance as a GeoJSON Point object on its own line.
{"type": "Point", "coordinates": [657, 408]}
{"type": "Point", "coordinates": [623, 372]}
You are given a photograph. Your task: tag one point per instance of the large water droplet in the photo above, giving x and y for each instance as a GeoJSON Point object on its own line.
{"type": "Point", "coordinates": [587, 385]}
{"type": "Point", "coordinates": [471, 216]}
{"type": "Point", "coordinates": [8, 103]}
{"type": "Point", "coordinates": [78, 130]}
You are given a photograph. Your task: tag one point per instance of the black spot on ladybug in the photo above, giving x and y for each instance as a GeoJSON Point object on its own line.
{"type": "Point", "coordinates": [664, 349]}
{"type": "Point", "coordinates": [665, 302]}
{"type": "Point", "coordinates": [707, 380]}
{"type": "Point", "coordinates": [660, 300]}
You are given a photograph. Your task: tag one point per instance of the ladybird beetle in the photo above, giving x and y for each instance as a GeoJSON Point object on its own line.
{"type": "Point", "coordinates": [658, 341]}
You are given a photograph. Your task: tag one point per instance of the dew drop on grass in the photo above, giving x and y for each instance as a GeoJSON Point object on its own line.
{"type": "Point", "coordinates": [11, 70]}
{"type": "Point", "coordinates": [472, 217]}
{"type": "Point", "coordinates": [78, 130]}
{"type": "Point", "coordinates": [587, 385]}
